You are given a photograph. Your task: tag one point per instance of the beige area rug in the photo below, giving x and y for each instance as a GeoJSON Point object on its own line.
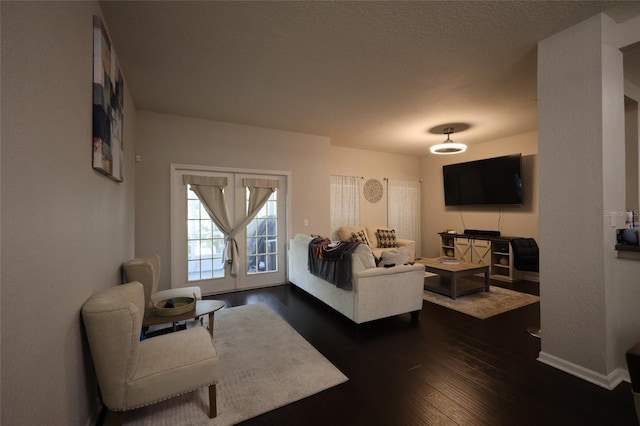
{"type": "Point", "coordinates": [482, 304]}
{"type": "Point", "coordinates": [264, 364]}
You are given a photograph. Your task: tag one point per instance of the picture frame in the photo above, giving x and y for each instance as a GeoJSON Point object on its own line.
{"type": "Point", "coordinates": [108, 106]}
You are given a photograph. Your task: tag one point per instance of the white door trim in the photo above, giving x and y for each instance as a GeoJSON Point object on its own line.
{"type": "Point", "coordinates": [174, 168]}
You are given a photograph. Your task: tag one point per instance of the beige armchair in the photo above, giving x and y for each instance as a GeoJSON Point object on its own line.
{"type": "Point", "coordinates": [146, 270]}
{"type": "Point", "coordinates": [133, 373]}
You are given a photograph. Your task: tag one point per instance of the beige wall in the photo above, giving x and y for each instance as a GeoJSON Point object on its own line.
{"type": "Point", "coordinates": [510, 220]}
{"type": "Point", "coordinates": [166, 139]}
{"type": "Point", "coordinates": [373, 165]}
{"type": "Point", "coordinates": [65, 228]}
{"type": "Point", "coordinates": [519, 221]}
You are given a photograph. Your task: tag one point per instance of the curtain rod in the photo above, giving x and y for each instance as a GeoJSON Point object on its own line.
{"type": "Point", "coordinates": [361, 177]}
{"type": "Point", "coordinates": [406, 180]}
{"type": "Point", "coordinates": [385, 178]}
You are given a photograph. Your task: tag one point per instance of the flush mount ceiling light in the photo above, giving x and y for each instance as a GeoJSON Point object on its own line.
{"type": "Point", "coordinates": [448, 146]}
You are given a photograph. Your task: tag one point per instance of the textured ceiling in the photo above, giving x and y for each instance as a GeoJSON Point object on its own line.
{"type": "Point", "coordinates": [385, 76]}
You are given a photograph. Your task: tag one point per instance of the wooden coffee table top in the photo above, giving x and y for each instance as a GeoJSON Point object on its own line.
{"type": "Point", "coordinates": [462, 266]}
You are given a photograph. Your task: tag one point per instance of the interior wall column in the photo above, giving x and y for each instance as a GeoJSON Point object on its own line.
{"type": "Point", "coordinates": [581, 147]}
{"type": "Point", "coordinates": [632, 156]}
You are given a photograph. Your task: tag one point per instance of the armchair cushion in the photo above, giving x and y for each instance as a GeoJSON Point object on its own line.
{"type": "Point", "coordinates": [525, 254]}
{"type": "Point", "coordinates": [171, 366]}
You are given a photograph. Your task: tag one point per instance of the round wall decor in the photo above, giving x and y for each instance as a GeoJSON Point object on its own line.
{"type": "Point", "coordinates": [372, 190]}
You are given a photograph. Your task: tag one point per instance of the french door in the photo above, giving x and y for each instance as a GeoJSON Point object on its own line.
{"type": "Point", "coordinates": [198, 245]}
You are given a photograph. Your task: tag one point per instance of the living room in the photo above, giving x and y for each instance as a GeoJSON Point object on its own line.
{"type": "Point", "coordinates": [66, 243]}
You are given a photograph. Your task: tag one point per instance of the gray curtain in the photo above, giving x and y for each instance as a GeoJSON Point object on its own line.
{"type": "Point", "coordinates": [210, 192]}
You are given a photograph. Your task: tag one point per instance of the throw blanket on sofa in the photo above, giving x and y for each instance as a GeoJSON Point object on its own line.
{"type": "Point", "coordinates": [332, 261]}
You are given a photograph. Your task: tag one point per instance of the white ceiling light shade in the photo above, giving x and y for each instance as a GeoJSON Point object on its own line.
{"type": "Point", "coordinates": [448, 146]}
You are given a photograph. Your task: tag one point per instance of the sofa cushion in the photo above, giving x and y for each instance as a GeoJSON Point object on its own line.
{"type": "Point", "coordinates": [344, 232]}
{"type": "Point", "coordinates": [360, 237]}
{"type": "Point", "coordinates": [397, 256]}
{"type": "Point", "coordinates": [372, 233]}
{"type": "Point", "coordinates": [365, 257]}
{"type": "Point", "coordinates": [387, 238]}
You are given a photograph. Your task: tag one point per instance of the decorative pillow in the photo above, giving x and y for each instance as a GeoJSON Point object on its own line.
{"type": "Point", "coordinates": [360, 237]}
{"type": "Point", "coordinates": [399, 256]}
{"type": "Point", "coordinates": [387, 238]}
{"type": "Point", "coordinates": [366, 256]}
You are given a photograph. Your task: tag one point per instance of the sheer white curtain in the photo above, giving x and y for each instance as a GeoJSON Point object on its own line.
{"type": "Point", "coordinates": [403, 207]}
{"type": "Point", "coordinates": [345, 201]}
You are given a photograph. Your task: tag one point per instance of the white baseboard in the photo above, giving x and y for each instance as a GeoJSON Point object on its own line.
{"type": "Point", "coordinates": [610, 381]}
{"type": "Point", "coordinates": [532, 276]}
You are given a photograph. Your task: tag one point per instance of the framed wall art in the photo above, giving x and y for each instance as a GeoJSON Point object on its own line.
{"type": "Point", "coordinates": [108, 102]}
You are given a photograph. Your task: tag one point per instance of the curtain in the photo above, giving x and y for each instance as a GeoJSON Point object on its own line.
{"type": "Point", "coordinates": [345, 201]}
{"type": "Point", "coordinates": [403, 207]}
{"type": "Point", "coordinates": [259, 192]}
{"type": "Point", "coordinates": [210, 192]}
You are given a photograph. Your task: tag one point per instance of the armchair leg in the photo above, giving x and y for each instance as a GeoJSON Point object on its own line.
{"type": "Point", "coordinates": [213, 407]}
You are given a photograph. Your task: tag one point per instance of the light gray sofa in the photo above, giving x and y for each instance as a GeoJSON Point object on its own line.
{"type": "Point", "coordinates": [378, 292]}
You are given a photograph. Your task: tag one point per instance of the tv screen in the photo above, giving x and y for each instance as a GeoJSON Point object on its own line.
{"type": "Point", "coordinates": [492, 181]}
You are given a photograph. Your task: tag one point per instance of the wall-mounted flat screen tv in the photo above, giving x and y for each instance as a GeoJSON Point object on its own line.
{"type": "Point", "coordinates": [492, 181]}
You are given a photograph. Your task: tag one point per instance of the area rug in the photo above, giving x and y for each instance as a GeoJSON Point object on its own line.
{"type": "Point", "coordinates": [484, 305]}
{"type": "Point", "coordinates": [264, 364]}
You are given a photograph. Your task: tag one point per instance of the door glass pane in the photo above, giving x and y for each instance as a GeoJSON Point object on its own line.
{"type": "Point", "coordinates": [262, 238]}
{"type": "Point", "coordinates": [205, 243]}
{"type": "Point", "coordinates": [206, 268]}
{"type": "Point", "coordinates": [193, 229]}
{"type": "Point", "coordinates": [193, 247]}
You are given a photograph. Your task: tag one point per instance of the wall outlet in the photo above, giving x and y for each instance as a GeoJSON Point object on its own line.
{"type": "Point", "coordinates": [306, 222]}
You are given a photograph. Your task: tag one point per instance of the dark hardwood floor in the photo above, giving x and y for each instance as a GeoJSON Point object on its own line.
{"type": "Point", "coordinates": [449, 369]}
